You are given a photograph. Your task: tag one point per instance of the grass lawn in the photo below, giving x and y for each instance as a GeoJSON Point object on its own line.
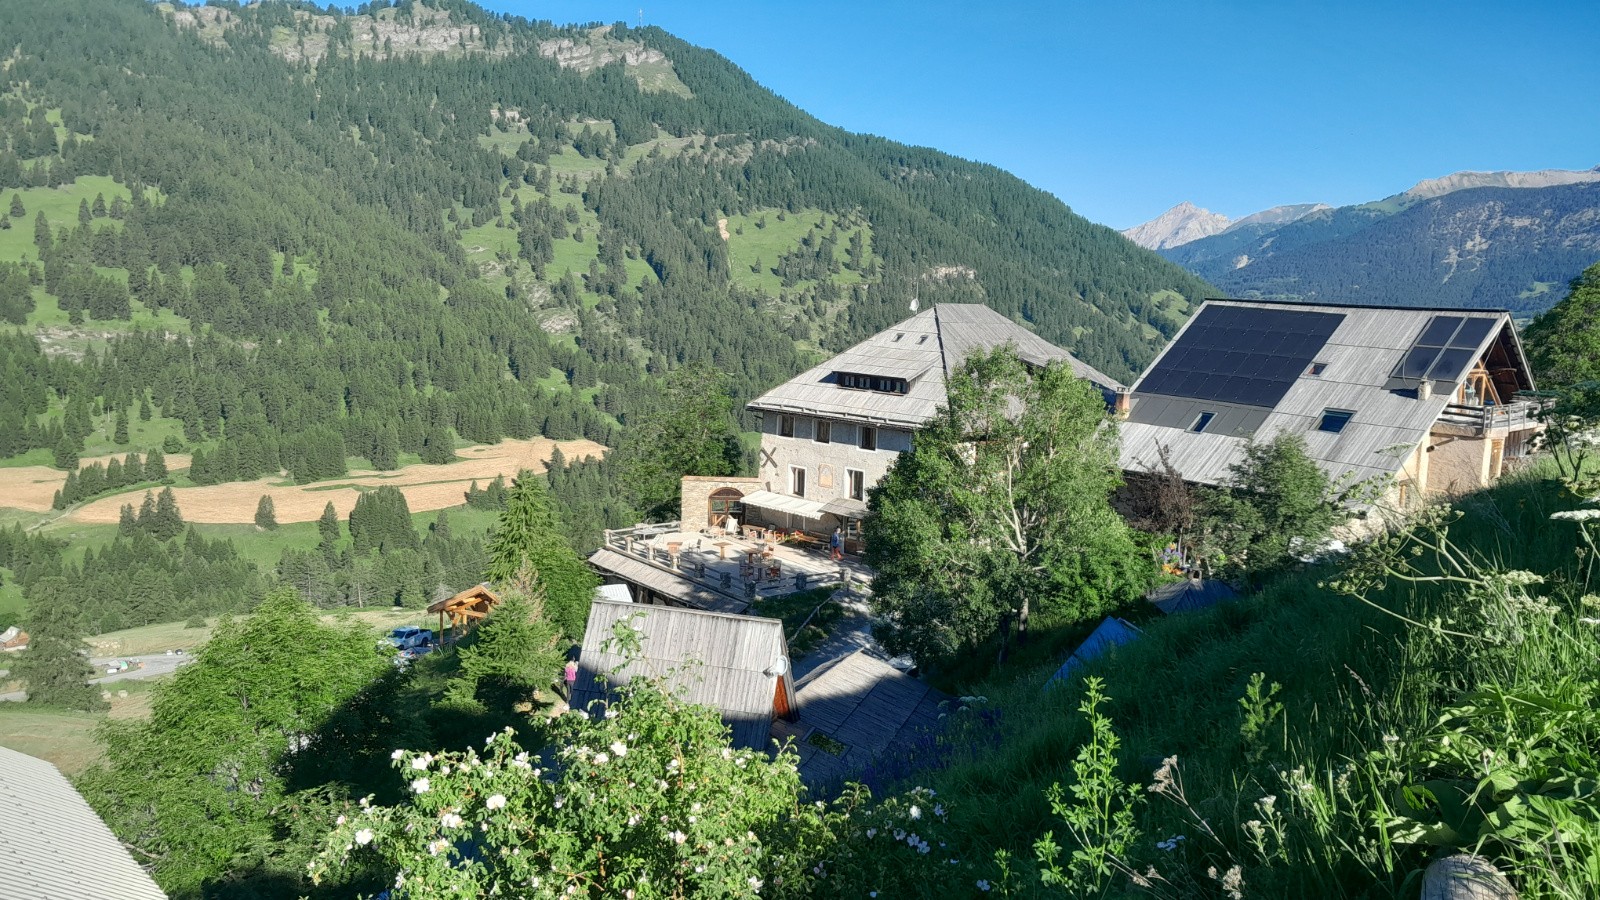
{"type": "Point", "coordinates": [777, 237]}
{"type": "Point", "coordinates": [60, 206]}
{"type": "Point", "coordinates": [64, 738]}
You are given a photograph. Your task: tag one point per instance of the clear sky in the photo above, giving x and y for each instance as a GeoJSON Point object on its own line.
{"type": "Point", "coordinates": [1123, 108]}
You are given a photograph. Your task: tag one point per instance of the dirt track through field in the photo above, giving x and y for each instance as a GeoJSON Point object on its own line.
{"type": "Point", "coordinates": [427, 487]}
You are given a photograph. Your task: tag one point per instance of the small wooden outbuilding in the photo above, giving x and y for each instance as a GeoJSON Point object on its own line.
{"type": "Point", "coordinates": [464, 611]}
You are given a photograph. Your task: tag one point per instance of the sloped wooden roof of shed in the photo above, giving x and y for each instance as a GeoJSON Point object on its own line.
{"type": "Point", "coordinates": [866, 705]}
{"type": "Point", "coordinates": [717, 660]}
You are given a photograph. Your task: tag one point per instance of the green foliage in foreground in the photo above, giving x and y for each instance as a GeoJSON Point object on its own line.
{"type": "Point", "coordinates": [527, 549]}
{"type": "Point", "coordinates": [205, 791]}
{"type": "Point", "coordinates": [1303, 743]}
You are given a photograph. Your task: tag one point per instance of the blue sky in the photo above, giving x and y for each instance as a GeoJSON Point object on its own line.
{"type": "Point", "coordinates": [1123, 108]}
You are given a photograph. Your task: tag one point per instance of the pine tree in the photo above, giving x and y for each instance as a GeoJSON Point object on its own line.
{"type": "Point", "coordinates": [83, 213]}
{"type": "Point", "coordinates": [515, 652]}
{"type": "Point", "coordinates": [168, 521]}
{"type": "Point", "coordinates": [17, 209]}
{"type": "Point", "coordinates": [155, 466]}
{"type": "Point", "coordinates": [121, 435]}
{"type": "Point", "coordinates": [99, 208]}
{"type": "Point", "coordinates": [528, 543]}
{"type": "Point", "coordinates": [328, 529]}
{"type": "Point", "coordinates": [145, 412]}
{"type": "Point", "coordinates": [127, 521]}
{"type": "Point", "coordinates": [66, 451]}
{"type": "Point", "coordinates": [266, 514]}
{"type": "Point", "coordinates": [54, 667]}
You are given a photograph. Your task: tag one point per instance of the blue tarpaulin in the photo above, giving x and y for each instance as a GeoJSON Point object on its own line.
{"type": "Point", "coordinates": [1110, 633]}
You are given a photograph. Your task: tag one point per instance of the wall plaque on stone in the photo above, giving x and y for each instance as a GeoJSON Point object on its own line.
{"type": "Point", "coordinates": [824, 476]}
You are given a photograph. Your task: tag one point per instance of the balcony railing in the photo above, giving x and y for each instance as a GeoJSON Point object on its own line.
{"type": "Point", "coordinates": [1515, 415]}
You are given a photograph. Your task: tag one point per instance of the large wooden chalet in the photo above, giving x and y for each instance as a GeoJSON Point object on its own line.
{"type": "Point", "coordinates": [1433, 398]}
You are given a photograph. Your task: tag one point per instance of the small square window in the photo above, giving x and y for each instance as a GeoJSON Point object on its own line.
{"type": "Point", "coordinates": [1201, 421]}
{"type": "Point", "coordinates": [786, 426]}
{"type": "Point", "coordinates": [1334, 420]}
{"type": "Point", "coordinates": [1317, 368]}
{"type": "Point", "coordinates": [869, 438]}
{"type": "Point", "coordinates": [824, 432]}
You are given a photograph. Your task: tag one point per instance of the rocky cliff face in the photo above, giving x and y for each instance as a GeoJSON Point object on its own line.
{"type": "Point", "coordinates": [1177, 226]}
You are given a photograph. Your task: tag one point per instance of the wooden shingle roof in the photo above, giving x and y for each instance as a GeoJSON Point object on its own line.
{"type": "Point", "coordinates": [923, 350]}
{"type": "Point", "coordinates": [733, 664]}
{"type": "Point", "coordinates": [862, 708]}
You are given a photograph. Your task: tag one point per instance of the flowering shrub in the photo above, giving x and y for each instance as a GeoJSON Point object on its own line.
{"type": "Point", "coordinates": [644, 800]}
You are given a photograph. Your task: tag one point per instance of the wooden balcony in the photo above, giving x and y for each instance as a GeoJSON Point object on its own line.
{"type": "Point", "coordinates": [1498, 418]}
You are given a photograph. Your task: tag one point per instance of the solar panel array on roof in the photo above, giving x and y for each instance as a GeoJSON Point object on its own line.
{"type": "Point", "coordinates": [1444, 349]}
{"type": "Point", "coordinates": [1245, 355]}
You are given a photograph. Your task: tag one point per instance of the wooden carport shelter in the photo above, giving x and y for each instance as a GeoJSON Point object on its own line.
{"type": "Point", "coordinates": [464, 610]}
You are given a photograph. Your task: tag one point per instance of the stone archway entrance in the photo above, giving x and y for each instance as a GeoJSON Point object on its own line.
{"type": "Point", "coordinates": [724, 502]}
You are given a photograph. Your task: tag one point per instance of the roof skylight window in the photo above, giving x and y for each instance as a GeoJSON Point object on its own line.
{"type": "Point", "coordinates": [1334, 420]}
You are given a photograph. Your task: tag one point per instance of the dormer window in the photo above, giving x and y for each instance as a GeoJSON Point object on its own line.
{"type": "Point", "coordinates": [857, 382]}
{"type": "Point", "coordinates": [1201, 421]}
{"type": "Point", "coordinates": [1317, 368]}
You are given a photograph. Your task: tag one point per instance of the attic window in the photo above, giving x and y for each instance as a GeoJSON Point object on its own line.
{"type": "Point", "coordinates": [1334, 420]}
{"type": "Point", "coordinates": [1317, 368]}
{"type": "Point", "coordinates": [899, 334]}
{"type": "Point", "coordinates": [923, 339]}
{"type": "Point", "coordinates": [856, 382]}
{"type": "Point", "coordinates": [1201, 421]}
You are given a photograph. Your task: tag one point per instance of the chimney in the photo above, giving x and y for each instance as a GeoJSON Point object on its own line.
{"type": "Point", "coordinates": [1120, 406]}
{"type": "Point", "coordinates": [1424, 389]}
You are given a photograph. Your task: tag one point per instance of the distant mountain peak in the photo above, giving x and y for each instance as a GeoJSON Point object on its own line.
{"type": "Point", "coordinates": [1280, 215]}
{"type": "Point", "coordinates": [1177, 226]}
{"type": "Point", "coordinates": [1429, 188]}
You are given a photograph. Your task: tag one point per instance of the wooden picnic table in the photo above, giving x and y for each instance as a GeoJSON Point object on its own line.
{"type": "Point", "coordinates": [722, 549]}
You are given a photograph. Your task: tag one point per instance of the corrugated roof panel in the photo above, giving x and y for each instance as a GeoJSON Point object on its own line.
{"type": "Point", "coordinates": [53, 846]}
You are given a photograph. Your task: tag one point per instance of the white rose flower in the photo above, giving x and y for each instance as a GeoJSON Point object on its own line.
{"type": "Point", "coordinates": [420, 786]}
{"type": "Point", "coordinates": [497, 801]}
{"type": "Point", "coordinates": [364, 836]}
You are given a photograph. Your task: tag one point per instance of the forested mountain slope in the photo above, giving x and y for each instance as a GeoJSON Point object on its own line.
{"type": "Point", "coordinates": [1473, 247]}
{"type": "Point", "coordinates": [361, 233]}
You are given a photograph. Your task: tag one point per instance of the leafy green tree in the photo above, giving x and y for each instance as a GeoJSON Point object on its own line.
{"type": "Point", "coordinates": [1001, 508]}
{"type": "Point", "coordinates": [155, 466]}
{"type": "Point", "coordinates": [1564, 343]}
{"type": "Point", "coordinates": [203, 789]}
{"type": "Point", "coordinates": [528, 546]}
{"type": "Point", "coordinates": [266, 513]}
{"type": "Point", "coordinates": [55, 668]}
{"type": "Point", "coordinates": [1279, 504]}
{"type": "Point", "coordinates": [166, 522]}
{"type": "Point", "coordinates": [690, 432]}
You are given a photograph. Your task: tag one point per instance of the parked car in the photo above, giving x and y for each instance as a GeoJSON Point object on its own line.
{"type": "Point", "coordinates": [412, 640]}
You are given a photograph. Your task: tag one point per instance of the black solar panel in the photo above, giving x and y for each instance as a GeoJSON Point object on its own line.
{"type": "Point", "coordinates": [1445, 348]}
{"type": "Point", "coordinates": [1246, 355]}
{"type": "Point", "coordinates": [1452, 362]}
{"type": "Point", "coordinates": [1472, 333]}
{"type": "Point", "coordinates": [1438, 331]}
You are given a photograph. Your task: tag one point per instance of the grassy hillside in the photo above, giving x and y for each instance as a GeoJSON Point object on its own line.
{"type": "Point", "coordinates": [1298, 785]}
